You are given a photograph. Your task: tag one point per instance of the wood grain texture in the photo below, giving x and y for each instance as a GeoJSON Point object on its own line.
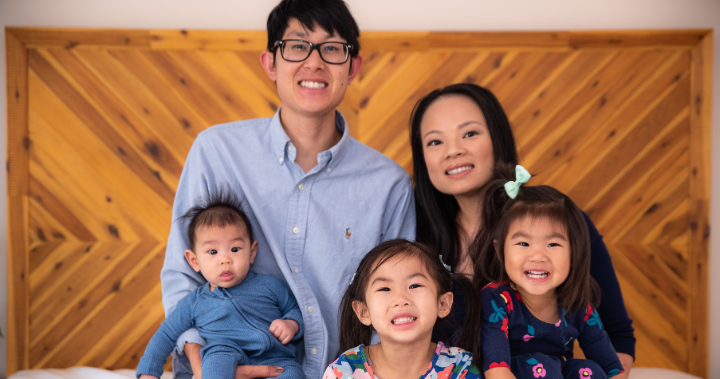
{"type": "Point", "coordinates": [17, 200]}
{"type": "Point", "coordinates": [700, 148]}
{"type": "Point", "coordinates": [620, 121]}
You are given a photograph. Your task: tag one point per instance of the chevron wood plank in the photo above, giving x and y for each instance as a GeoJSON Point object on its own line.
{"type": "Point", "coordinates": [71, 227]}
{"type": "Point", "coordinates": [142, 115]}
{"type": "Point", "coordinates": [92, 118]}
{"type": "Point", "coordinates": [123, 342]}
{"type": "Point", "coordinates": [75, 281]}
{"type": "Point", "coordinates": [602, 138]}
{"type": "Point", "coordinates": [575, 73]}
{"type": "Point", "coordinates": [111, 294]}
{"type": "Point", "coordinates": [201, 74]}
{"type": "Point", "coordinates": [626, 149]}
{"type": "Point", "coordinates": [594, 122]}
{"type": "Point", "coordinates": [126, 123]}
{"type": "Point", "coordinates": [100, 296]}
{"type": "Point", "coordinates": [149, 77]}
{"type": "Point", "coordinates": [85, 157]}
{"type": "Point", "coordinates": [258, 92]}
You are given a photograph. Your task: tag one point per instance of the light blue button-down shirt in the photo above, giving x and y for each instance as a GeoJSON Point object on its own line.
{"type": "Point", "coordinates": [312, 228]}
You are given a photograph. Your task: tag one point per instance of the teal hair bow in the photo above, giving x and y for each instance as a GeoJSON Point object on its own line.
{"type": "Point", "coordinates": [521, 177]}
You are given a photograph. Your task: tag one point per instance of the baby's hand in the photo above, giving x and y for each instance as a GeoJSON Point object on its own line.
{"type": "Point", "coordinates": [284, 330]}
{"type": "Point", "coordinates": [146, 376]}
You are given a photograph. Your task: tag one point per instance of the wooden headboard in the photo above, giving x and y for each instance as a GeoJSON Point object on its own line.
{"type": "Point", "coordinates": [100, 122]}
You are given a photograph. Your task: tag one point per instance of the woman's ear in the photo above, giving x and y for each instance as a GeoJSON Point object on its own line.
{"type": "Point", "coordinates": [445, 303]}
{"type": "Point", "coordinates": [361, 312]}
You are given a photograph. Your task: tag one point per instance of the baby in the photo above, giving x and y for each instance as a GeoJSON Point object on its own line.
{"type": "Point", "coordinates": [246, 318]}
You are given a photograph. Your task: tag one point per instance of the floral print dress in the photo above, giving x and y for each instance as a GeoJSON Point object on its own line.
{"type": "Point", "coordinates": [447, 363]}
{"type": "Point", "coordinates": [513, 338]}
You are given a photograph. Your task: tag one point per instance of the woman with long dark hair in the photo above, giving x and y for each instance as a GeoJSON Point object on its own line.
{"type": "Point", "coordinates": [459, 136]}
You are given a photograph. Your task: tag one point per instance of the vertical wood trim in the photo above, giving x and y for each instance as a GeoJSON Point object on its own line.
{"type": "Point", "coordinates": [700, 139]}
{"type": "Point", "coordinates": [18, 144]}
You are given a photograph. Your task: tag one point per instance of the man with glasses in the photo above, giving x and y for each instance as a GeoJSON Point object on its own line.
{"type": "Point", "coordinates": [318, 198]}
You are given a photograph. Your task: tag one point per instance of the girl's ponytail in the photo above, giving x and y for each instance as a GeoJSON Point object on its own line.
{"type": "Point", "coordinates": [352, 331]}
{"type": "Point", "coordinates": [469, 338]}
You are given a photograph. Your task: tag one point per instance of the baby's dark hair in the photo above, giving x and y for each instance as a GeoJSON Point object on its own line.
{"type": "Point", "coordinates": [499, 212]}
{"type": "Point", "coordinates": [353, 332]}
{"type": "Point", "coordinates": [218, 209]}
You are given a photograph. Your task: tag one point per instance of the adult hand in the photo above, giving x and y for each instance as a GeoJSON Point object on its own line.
{"type": "Point", "coordinates": [192, 351]}
{"type": "Point", "coordinates": [146, 376]}
{"type": "Point", "coordinates": [284, 330]}
{"type": "Point", "coordinates": [252, 372]}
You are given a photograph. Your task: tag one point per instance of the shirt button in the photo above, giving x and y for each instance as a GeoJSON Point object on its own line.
{"type": "Point", "coordinates": [310, 308]}
{"type": "Point", "coordinates": [297, 270]}
{"type": "Point", "coordinates": [329, 169]}
{"type": "Point", "coordinates": [313, 351]}
{"type": "Point", "coordinates": [296, 229]}
{"type": "Point", "coordinates": [289, 148]}
{"type": "Point", "coordinates": [301, 186]}
{"type": "Point", "coordinates": [281, 160]}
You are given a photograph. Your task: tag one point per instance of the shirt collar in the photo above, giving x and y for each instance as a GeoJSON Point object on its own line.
{"type": "Point", "coordinates": [281, 142]}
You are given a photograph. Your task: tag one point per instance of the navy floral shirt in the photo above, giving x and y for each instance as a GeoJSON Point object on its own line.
{"type": "Point", "coordinates": [510, 331]}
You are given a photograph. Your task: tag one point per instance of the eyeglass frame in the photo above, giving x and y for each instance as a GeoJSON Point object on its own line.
{"type": "Point", "coordinates": [313, 46]}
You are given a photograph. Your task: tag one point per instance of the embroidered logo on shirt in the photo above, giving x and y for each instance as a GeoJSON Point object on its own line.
{"type": "Point", "coordinates": [347, 233]}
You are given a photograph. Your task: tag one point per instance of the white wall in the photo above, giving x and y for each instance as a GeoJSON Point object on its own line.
{"type": "Point", "coordinates": [477, 15]}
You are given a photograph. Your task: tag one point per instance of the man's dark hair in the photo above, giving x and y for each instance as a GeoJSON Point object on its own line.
{"type": "Point", "coordinates": [331, 15]}
{"type": "Point", "coordinates": [219, 209]}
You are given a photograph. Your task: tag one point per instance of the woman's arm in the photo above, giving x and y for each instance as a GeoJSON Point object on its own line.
{"type": "Point", "coordinates": [612, 306]}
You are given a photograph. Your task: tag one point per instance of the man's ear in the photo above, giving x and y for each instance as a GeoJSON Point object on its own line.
{"type": "Point", "coordinates": [192, 259]}
{"type": "Point", "coordinates": [361, 312]}
{"type": "Point", "coordinates": [253, 251]}
{"type": "Point", "coordinates": [445, 303]}
{"type": "Point", "coordinates": [267, 59]}
{"type": "Point", "coordinates": [355, 65]}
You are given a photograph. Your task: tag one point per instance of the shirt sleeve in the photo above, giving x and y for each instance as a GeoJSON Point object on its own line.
{"type": "Point", "coordinates": [400, 214]}
{"type": "Point", "coordinates": [163, 341]}
{"type": "Point", "coordinates": [494, 332]}
{"type": "Point", "coordinates": [177, 277]}
{"type": "Point", "coordinates": [288, 306]}
{"type": "Point", "coordinates": [618, 324]}
{"type": "Point", "coordinates": [595, 343]}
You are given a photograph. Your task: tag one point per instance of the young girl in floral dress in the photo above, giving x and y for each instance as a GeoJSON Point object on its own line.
{"type": "Point", "coordinates": [401, 290]}
{"type": "Point", "coordinates": [539, 301]}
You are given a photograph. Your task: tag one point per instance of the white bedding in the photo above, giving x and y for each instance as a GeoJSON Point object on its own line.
{"type": "Point", "coordinates": [96, 373]}
{"type": "Point", "coordinates": [79, 373]}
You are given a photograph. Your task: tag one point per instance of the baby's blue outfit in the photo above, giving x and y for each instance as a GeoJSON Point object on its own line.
{"type": "Point", "coordinates": [235, 322]}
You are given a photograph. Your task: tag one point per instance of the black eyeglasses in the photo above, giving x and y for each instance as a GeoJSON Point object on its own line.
{"type": "Point", "coordinates": [297, 50]}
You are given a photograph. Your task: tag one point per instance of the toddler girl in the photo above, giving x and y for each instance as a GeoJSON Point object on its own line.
{"type": "Point", "coordinates": [539, 300]}
{"type": "Point", "coordinates": [400, 290]}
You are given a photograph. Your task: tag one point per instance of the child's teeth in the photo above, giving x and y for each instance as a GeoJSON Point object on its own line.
{"type": "Point", "coordinates": [403, 320]}
{"type": "Point", "coordinates": [537, 274]}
